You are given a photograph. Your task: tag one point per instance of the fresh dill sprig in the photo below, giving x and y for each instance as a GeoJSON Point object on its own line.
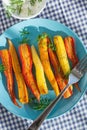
{"type": "Point", "coordinates": [51, 45]}
{"type": "Point", "coordinates": [25, 40]}
{"type": "Point", "coordinates": [32, 2]}
{"type": "Point", "coordinates": [24, 32]}
{"type": "Point", "coordinates": [25, 35]}
{"type": "Point", "coordinates": [44, 102]}
{"type": "Point", "coordinates": [42, 36]}
{"type": "Point", "coordinates": [15, 6]}
{"type": "Point", "coordinates": [2, 67]}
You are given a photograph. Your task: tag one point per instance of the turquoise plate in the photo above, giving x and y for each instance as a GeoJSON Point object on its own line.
{"type": "Point", "coordinates": [36, 27]}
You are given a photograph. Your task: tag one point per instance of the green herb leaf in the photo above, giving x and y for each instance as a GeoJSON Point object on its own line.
{"type": "Point", "coordinates": [25, 35]}
{"type": "Point", "coordinates": [32, 2]}
{"type": "Point", "coordinates": [44, 102]}
{"type": "Point", "coordinates": [52, 46]}
{"type": "Point", "coordinates": [2, 67]}
{"type": "Point", "coordinates": [24, 32]}
{"type": "Point", "coordinates": [25, 40]}
{"type": "Point", "coordinates": [42, 36]}
{"type": "Point", "coordinates": [15, 6]}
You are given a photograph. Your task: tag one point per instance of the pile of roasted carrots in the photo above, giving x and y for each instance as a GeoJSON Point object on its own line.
{"type": "Point", "coordinates": [53, 64]}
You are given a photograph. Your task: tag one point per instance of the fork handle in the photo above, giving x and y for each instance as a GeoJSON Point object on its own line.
{"type": "Point", "coordinates": [36, 124]}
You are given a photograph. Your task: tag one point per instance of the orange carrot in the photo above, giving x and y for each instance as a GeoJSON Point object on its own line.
{"type": "Point", "coordinates": [71, 52]}
{"type": "Point", "coordinates": [58, 73]}
{"type": "Point", "coordinates": [22, 89]}
{"type": "Point", "coordinates": [6, 61]}
{"type": "Point", "coordinates": [46, 64]}
{"type": "Point", "coordinates": [27, 64]}
{"type": "Point", "coordinates": [70, 49]}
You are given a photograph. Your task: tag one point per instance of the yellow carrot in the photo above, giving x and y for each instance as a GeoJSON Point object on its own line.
{"type": "Point", "coordinates": [40, 77]}
{"type": "Point", "coordinates": [58, 73]}
{"type": "Point", "coordinates": [22, 89]}
{"type": "Point", "coordinates": [61, 54]}
{"type": "Point", "coordinates": [43, 50]}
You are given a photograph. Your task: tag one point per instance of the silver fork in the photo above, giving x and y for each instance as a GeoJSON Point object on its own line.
{"type": "Point", "coordinates": [76, 74]}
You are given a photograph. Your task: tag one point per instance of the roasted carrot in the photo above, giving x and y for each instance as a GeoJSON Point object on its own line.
{"type": "Point", "coordinates": [71, 52]}
{"type": "Point", "coordinates": [7, 63]}
{"type": "Point", "coordinates": [59, 74]}
{"type": "Point", "coordinates": [22, 89]}
{"type": "Point", "coordinates": [40, 77]}
{"type": "Point", "coordinates": [70, 49]}
{"type": "Point", "coordinates": [27, 64]}
{"type": "Point", "coordinates": [62, 55]}
{"type": "Point", "coordinates": [43, 50]}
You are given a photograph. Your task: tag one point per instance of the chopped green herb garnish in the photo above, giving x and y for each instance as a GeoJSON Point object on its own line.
{"type": "Point", "coordinates": [24, 34]}
{"type": "Point", "coordinates": [15, 6]}
{"type": "Point", "coordinates": [44, 102]}
{"type": "Point", "coordinates": [52, 46]}
{"type": "Point", "coordinates": [66, 76]}
{"type": "Point", "coordinates": [32, 2]}
{"type": "Point", "coordinates": [2, 67]}
{"type": "Point", "coordinates": [44, 35]}
{"type": "Point", "coordinates": [25, 40]}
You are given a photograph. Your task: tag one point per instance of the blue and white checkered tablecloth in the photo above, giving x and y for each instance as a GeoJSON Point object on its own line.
{"type": "Point", "coordinates": [72, 13]}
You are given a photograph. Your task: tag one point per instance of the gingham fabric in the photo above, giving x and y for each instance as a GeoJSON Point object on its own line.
{"type": "Point", "coordinates": [72, 13]}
